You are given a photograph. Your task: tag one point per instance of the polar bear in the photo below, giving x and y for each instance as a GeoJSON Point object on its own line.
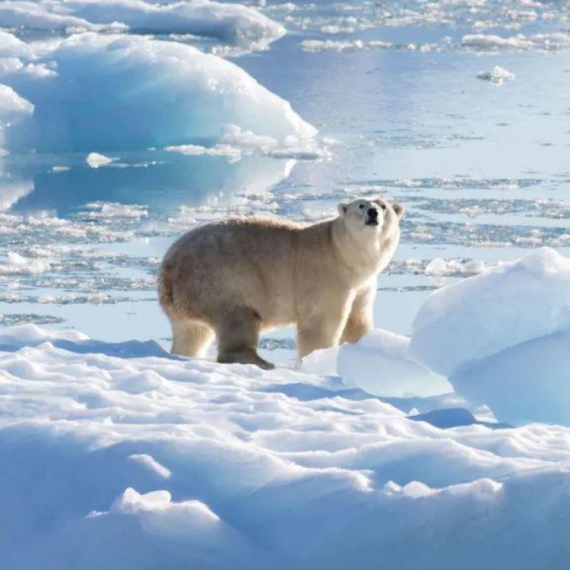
{"type": "Point", "coordinates": [235, 278]}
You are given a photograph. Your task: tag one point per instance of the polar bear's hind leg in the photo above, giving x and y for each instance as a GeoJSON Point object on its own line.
{"type": "Point", "coordinates": [190, 338]}
{"type": "Point", "coordinates": [238, 335]}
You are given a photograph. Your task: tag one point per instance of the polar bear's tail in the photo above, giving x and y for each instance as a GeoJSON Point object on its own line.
{"type": "Point", "coordinates": [165, 287]}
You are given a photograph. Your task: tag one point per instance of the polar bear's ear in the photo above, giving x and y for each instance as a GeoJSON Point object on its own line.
{"type": "Point", "coordinates": [342, 209]}
{"type": "Point", "coordinates": [398, 208]}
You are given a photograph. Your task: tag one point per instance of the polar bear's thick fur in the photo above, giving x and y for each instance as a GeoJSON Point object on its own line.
{"type": "Point", "coordinates": [236, 278]}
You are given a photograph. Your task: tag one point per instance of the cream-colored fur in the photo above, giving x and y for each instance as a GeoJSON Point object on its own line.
{"type": "Point", "coordinates": [236, 278]}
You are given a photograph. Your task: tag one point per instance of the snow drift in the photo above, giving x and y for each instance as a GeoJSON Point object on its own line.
{"type": "Point", "coordinates": [108, 93]}
{"type": "Point", "coordinates": [502, 338]}
{"type": "Point", "coordinates": [379, 364]}
{"type": "Point", "coordinates": [149, 461]}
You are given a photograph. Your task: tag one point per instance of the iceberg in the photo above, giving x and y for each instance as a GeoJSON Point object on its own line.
{"type": "Point", "coordinates": [90, 91]}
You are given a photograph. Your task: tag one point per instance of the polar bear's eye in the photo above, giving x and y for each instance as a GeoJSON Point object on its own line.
{"type": "Point", "coordinates": [361, 206]}
{"type": "Point", "coordinates": [383, 206]}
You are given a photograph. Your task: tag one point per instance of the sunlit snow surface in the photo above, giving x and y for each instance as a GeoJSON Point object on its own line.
{"type": "Point", "coordinates": [116, 455]}
{"type": "Point", "coordinates": [120, 456]}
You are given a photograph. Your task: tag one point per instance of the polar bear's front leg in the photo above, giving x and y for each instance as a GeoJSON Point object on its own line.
{"type": "Point", "coordinates": [360, 320]}
{"type": "Point", "coordinates": [321, 326]}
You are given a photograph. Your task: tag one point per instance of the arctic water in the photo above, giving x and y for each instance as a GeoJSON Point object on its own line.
{"type": "Point", "coordinates": [458, 110]}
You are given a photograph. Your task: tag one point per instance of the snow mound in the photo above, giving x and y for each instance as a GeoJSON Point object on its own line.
{"type": "Point", "coordinates": [231, 23]}
{"type": "Point", "coordinates": [483, 315]}
{"type": "Point", "coordinates": [93, 90]}
{"type": "Point", "coordinates": [502, 338]}
{"type": "Point", "coordinates": [377, 364]}
{"type": "Point", "coordinates": [529, 382]}
{"type": "Point", "coordinates": [223, 466]}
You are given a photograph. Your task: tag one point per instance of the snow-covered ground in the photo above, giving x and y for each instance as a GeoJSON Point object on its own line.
{"type": "Point", "coordinates": [118, 455]}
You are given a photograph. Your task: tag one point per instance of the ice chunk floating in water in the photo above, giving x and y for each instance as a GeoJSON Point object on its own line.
{"type": "Point", "coordinates": [101, 86]}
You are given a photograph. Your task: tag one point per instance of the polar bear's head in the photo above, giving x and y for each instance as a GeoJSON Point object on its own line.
{"type": "Point", "coordinates": [364, 217]}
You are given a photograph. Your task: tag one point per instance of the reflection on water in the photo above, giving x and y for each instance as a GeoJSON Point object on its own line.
{"type": "Point", "coordinates": [163, 181]}
{"type": "Point", "coordinates": [481, 169]}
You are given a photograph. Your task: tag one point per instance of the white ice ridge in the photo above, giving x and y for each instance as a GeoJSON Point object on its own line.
{"type": "Point", "coordinates": [145, 461]}
{"type": "Point", "coordinates": [143, 93]}
{"type": "Point", "coordinates": [232, 23]}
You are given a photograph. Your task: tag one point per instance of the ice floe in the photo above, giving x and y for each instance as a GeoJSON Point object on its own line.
{"type": "Point", "coordinates": [227, 22]}
{"type": "Point", "coordinates": [498, 75]}
{"type": "Point", "coordinates": [492, 42]}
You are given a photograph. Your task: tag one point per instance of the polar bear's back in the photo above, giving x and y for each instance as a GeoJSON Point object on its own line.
{"type": "Point", "coordinates": [235, 262]}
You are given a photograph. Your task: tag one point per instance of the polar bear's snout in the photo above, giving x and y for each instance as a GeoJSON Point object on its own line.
{"type": "Point", "coordinates": [371, 217]}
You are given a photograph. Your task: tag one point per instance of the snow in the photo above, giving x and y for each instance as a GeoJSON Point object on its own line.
{"type": "Point", "coordinates": [378, 364]}
{"type": "Point", "coordinates": [528, 382]}
{"type": "Point", "coordinates": [223, 466]}
{"type": "Point", "coordinates": [504, 306]}
{"type": "Point", "coordinates": [382, 454]}
{"type": "Point", "coordinates": [501, 338]}
{"type": "Point", "coordinates": [227, 22]}
{"type": "Point", "coordinates": [185, 95]}
{"type": "Point", "coordinates": [498, 340]}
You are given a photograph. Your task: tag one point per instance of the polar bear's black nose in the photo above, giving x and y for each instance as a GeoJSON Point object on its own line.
{"type": "Point", "coordinates": [372, 213]}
